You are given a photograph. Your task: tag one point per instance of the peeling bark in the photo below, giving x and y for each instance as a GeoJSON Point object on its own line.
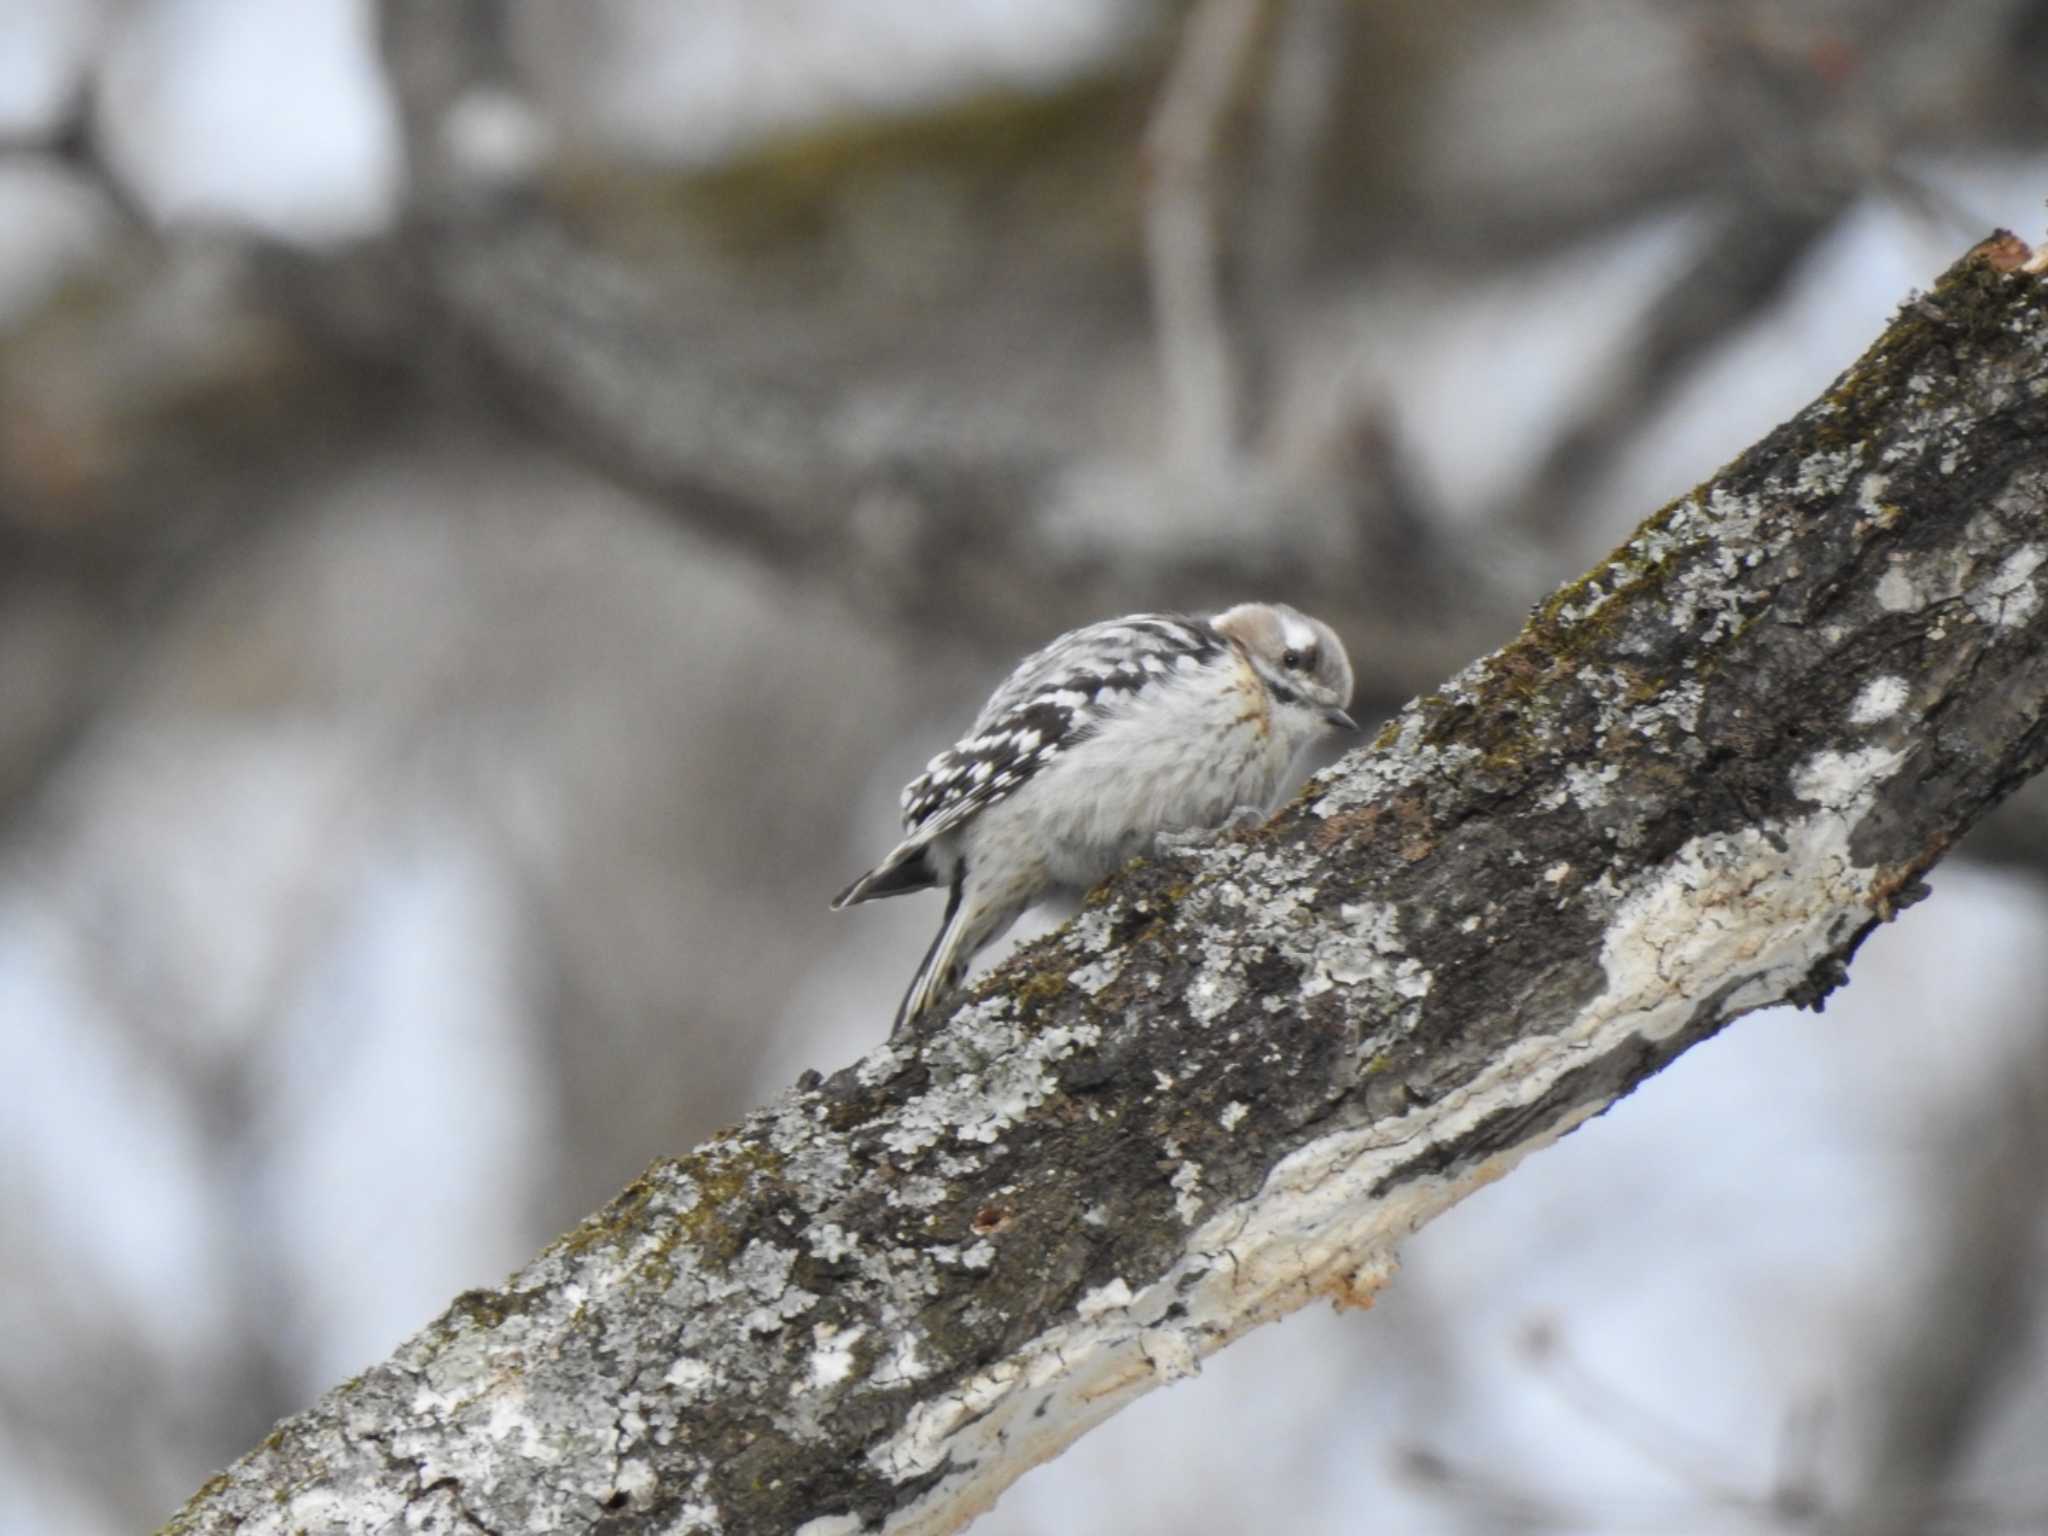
{"type": "Point", "coordinates": [1689, 789]}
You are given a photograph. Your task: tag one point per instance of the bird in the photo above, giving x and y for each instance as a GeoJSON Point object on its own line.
{"type": "Point", "coordinates": [1094, 746]}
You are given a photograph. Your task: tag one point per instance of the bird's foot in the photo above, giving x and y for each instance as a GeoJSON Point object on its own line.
{"type": "Point", "coordinates": [1246, 818]}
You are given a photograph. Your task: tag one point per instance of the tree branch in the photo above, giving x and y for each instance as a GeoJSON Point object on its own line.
{"type": "Point", "coordinates": [1690, 788]}
{"type": "Point", "coordinates": [1197, 374]}
{"type": "Point", "coordinates": [948, 529]}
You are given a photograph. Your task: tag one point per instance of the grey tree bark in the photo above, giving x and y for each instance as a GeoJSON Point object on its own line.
{"type": "Point", "coordinates": [1690, 788]}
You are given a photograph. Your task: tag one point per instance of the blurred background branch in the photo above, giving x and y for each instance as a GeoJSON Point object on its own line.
{"type": "Point", "coordinates": [1197, 373]}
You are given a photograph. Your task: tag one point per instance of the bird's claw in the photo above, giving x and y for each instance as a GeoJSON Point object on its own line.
{"type": "Point", "coordinates": [1246, 818]}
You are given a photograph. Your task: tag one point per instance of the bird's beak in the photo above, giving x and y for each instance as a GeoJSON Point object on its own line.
{"type": "Point", "coordinates": [1340, 720]}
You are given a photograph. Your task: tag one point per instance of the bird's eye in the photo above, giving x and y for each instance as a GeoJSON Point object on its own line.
{"type": "Point", "coordinates": [1294, 661]}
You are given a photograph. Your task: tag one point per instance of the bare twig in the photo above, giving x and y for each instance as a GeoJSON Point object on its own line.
{"type": "Point", "coordinates": [1296, 104]}
{"type": "Point", "coordinates": [1977, 1306]}
{"type": "Point", "coordinates": [1739, 271]}
{"type": "Point", "coordinates": [1630, 1422]}
{"type": "Point", "coordinates": [1196, 372]}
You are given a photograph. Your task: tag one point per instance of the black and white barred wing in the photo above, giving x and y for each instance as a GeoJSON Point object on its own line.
{"type": "Point", "coordinates": [979, 770]}
{"type": "Point", "coordinates": [961, 781]}
{"type": "Point", "coordinates": [1099, 662]}
{"type": "Point", "coordinates": [1055, 699]}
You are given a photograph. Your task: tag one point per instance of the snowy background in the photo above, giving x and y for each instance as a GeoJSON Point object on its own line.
{"type": "Point", "coordinates": [413, 822]}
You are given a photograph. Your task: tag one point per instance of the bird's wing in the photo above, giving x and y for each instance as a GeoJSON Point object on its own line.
{"type": "Point", "coordinates": [1052, 701]}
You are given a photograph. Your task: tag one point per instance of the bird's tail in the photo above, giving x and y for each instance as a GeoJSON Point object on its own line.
{"type": "Point", "coordinates": [944, 961]}
{"type": "Point", "coordinates": [906, 869]}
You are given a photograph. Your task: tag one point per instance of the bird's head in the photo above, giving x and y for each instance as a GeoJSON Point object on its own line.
{"type": "Point", "coordinates": [1300, 660]}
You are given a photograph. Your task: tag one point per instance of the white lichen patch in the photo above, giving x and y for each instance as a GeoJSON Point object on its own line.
{"type": "Point", "coordinates": [2006, 595]}
{"type": "Point", "coordinates": [832, 1354]}
{"type": "Point", "coordinates": [1379, 776]}
{"type": "Point", "coordinates": [1825, 474]}
{"type": "Point", "coordinates": [1878, 700]}
{"type": "Point", "coordinates": [1364, 948]}
{"type": "Point", "coordinates": [1171, 1352]}
{"type": "Point", "coordinates": [1583, 785]}
{"type": "Point", "coordinates": [1845, 782]}
{"type": "Point", "coordinates": [1187, 1186]}
{"type": "Point", "coordinates": [635, 1479]}
{"type": "Point", "coordinates": [690, 1376]}
{"type": "Point", "coordinates": [1896, 592]}
{"type": "Point", "coordinates": [934, 1424]}
{"type": "Point", "coordinates": [879, 1065]}
{"type": "Point", "coordinates": [1092, 931]}
{"type": "Point", "coordinates": [695, 1518]}
{"type": "Point", "coordinates": [763, 1268]}
{"type": "Point", "coordinates": [2010, 597]}
{"type": "Point", "coordinates": [975, 1256]}
{"type": "Point", "coordinates": [1095, 975]}
{"type": "Point", "coordinates": [905, 1362]}
{"type": "Point", "coordinates": [1214, 995]}
{"type": "Point", "coordinates": [1700, 598]}
{"type": "Point", "coordinates": [1113, 1296]}
{"type": "Point", "coordinates": [1746, 905]}
{"type": "Point", "coordinates": [321, 1508]}
{"type": "Point", "coordinates": [1233, 1114]}
{"type": "Point", "coordinates": [831, 1242]}
{"type": "Point", "coordinates": [459, 1371]}
{"type": "Point", "coordinates": [1676, 711]}
{"type": "Point", "coordinates": [988, 1074]}
{"type": "Point", "coordinates": [920, 1191]}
